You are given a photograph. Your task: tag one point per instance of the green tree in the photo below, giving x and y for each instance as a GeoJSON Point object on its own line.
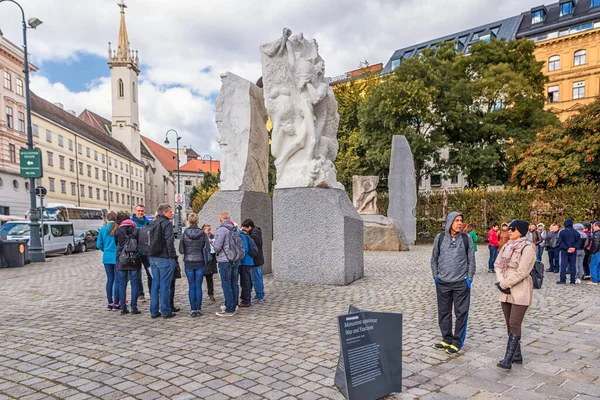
{"type": "Point", "coordinates": [209, 185]}
{"type": "Point", "coordinates": [492, 107]}
{"type": "Point", "coordinates": [563, 155]}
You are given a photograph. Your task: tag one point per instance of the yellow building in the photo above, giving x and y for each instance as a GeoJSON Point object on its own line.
{"type": "Point", "coordinates": [82, 165]}
{"type": "Point", "coordinates": [567, 38]}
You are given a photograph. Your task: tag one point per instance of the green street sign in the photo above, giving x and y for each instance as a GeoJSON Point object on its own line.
{"type": "Point", "coordinates": [31, 163]}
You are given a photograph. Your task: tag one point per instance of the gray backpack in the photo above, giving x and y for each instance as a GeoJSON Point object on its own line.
{"type": "Point", "coordinates": [234, 245]}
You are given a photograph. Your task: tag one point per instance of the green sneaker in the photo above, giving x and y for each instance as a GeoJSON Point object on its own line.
{"type": "Point", "coordinates": [452, 349]}
{"type": "Point", "coordinates": [441, 345]}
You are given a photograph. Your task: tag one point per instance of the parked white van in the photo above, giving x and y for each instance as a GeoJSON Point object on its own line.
{"type": "Point", "coordinates": [57, 237]}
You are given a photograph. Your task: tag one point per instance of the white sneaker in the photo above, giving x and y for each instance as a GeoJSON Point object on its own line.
{"type": "Point", "coordinates": [223, 308]}
{"type": "Point", "coordinates": [577, 281]}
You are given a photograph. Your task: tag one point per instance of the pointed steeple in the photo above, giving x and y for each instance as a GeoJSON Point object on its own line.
{"type": "Point", "coordinates": [123, 54]}
{"type": "Point", "coordinates": [123, 43]}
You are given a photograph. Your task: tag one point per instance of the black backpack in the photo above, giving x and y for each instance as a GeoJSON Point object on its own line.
{"type": "Point", "coordinates": [151, 239]}
{"type": "Point", "coordinates": [130, 255]}
{"type": "Point", "coordinates": [537, 273]}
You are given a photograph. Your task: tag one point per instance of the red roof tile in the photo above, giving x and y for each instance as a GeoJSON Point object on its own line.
{"type": "Point", "coordinates": [167, 157]}
{"type": "Point", "coordinates": [206, 166]}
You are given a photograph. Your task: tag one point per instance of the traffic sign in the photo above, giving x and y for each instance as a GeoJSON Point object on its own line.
{"type": "Point", "coordinates": [31, 163]}
{"type": "Point", "coordinates": [178, 198]}
{"type": "Point", "coordinates": [40, 191]}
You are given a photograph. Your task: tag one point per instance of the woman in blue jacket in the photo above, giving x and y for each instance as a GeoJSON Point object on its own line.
{"type": "Point", "coordinates": [106, 243]}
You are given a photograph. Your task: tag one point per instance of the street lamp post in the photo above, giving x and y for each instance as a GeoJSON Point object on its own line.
{"type": "Point", "coordinates": [178, 179]}
{"type": "Point", "coordinates": [36, 251]}
{"type": "Point", "coordinates": [210, 162]}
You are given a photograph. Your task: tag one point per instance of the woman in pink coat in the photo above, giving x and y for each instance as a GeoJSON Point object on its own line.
{"type": "Point", "coordinates": [513, 268]}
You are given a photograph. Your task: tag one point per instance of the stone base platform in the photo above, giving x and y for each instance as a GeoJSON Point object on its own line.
{"type": "Point", "coordinates": [383, 234]}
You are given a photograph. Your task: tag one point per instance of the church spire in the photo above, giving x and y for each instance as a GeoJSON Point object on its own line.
{"type": "Point", "coordinates": [123, 55]}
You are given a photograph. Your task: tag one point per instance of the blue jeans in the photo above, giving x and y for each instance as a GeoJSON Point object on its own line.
{"type": "Point", "coordinates": [553, 256]}
{"type": "Point", "coordinates": [162, 276]}
{"type": "Point", "coordinates": [194, 277]}
{"type": "Point", "coordinates": [112, 295]}
{"type": "Point", "coordinates": [229, 283]}
{"type": "Point", "coordinates": [493, 255]}
{"type": "Point", "coordinates": [540, 252]}
{"type": "Point", "coordinates": [257, 282]}
{"type": "Point", "coordinates": [594, 270]}
{"type": "Point", "coordinates": [124, 276]}
{"type": "Point", "coordinates": [568, 261]}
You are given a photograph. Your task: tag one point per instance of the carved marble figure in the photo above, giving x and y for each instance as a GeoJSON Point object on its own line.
{"type": "Point", "coordinates": [364, 194]}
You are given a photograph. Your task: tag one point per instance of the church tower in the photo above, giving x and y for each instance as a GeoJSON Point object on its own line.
{"type": "Point", "coordinates": [124, 70]}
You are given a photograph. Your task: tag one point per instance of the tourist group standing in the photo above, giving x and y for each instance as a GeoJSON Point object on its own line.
{"type": "Point", "coordinates": [129, 243]}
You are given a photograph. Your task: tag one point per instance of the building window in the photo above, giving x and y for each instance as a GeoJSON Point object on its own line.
{"type": "Point", "coordinates": [134, 93]}
{"type": "Point", "coordinates": [89, 169]}
{"type": "Point", "coordinates": [553, 94]}
{"type": "Point", "coordinates": [97, 173]}
{"type": "Point", "coordinates": [121, 88]}
{"type": "Point", "coordinates": [91, 192]}
{"type": "Point", "coordinates": [95, 155]}
{"type": "Point", "coordinates": [128, 199]}
{"type": "Point", "coordinates": [111, 196]}
{"type": "Point", "coordinates": [12, 153]}
{"type": "Point", "coordinates": [61, 142]}
{"type": "Point", "coordinates": [126, 168]}
{"type": "Point", "coordinates": [51, 180]}
{"type": "Point", "coordinates": [127, 183]}
{"type": "Point", "coordinates": [122, 181]}
{"type": "Point", "coordinates": [103, 159]}
{"type": "Point", "coordinates": [566, 8]}
{"type": "Point", "coordinates": [110, 177]}
{"type": "Point", "coordinates": [554, 63]}
{"type": "Point", "coordinates": [61, 162]}
{"type": "Point", "coordinates": [578, 90]}
{"type": "Point", "coordinates": [109, 161]}
{"type": "Point", "coordinates": [595, 3]}
{"type": "Point", "coordinates": [137, 186]}
{"type": "Point", "coordinates": [63, 187]}
{"type": "Point", "coordinates": [396, 63]}
{"type": "Point", "coordinates": [79, 148]}
{"type": "Point", "coordinates": [580, 56]}
{"type": "Point", "coordinates": [7, 80]}
{"type": "Point", "coordinates": [71, 165]}
{"type": "Point", "coordinates": [105, 195]}
{"type": "Point", "coordinates": [121, 162]}
{"type": "Point", "coordinates": [188, 183]}
{"type": "Point", "coordinates": [82, 190]}
{"type": "Point", "coordinates": [21, 122]}
{"type": "Point", "coordinates": [122, 198]}
{"type": "Point", "coordinates": [141, 187]}
{"type": "Point", "coordinates": [88, 153]}
{"type": "Point", "coordinates": [97, 194]}
{"type": "Point", "coordinates": [9, 117]}
{"type": "Point", "coordinates": [538, 16]}
{"type": "Point", "coordinates": [104, 176]}
{"type": "Point", "coordinates": [50, 158]}
{"type": "Point", "coordinates": [436, 180]}
{"type": "Point", "coordinates": [19, 87]}
{"type": "Point", "coordinates": [48, 136]}
{"type": "Point", "coordinates": [15, 184]}
{"type": "Point", "coordinates": [80, 168]}
{"type": "Point", "coordinates": [73, 188]}
{"type": "Point", "coordinates": [36, 131]}
{"type": "Point", "coordinates": [70, 144]}
{"type": "Point", "coordinates": [454, 179]}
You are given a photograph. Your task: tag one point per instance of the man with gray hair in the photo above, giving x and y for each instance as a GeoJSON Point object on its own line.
{"type": "Point", "coordinates": [226, 245]}
{"type": "Point", "coordinates": [163, 264]}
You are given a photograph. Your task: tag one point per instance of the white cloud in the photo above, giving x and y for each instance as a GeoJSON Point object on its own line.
{"type": "Point", "coordinates": [189, 43]}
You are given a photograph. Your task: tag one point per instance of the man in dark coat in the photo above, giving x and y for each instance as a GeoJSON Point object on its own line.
{"type": "Point", "coordinates": [568, 242]}
{"type": "Point", "coordinates": [256, 272]}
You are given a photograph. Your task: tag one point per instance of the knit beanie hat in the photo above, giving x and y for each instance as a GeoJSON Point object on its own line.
{"type": "Point", "coordinates": [520, 225]}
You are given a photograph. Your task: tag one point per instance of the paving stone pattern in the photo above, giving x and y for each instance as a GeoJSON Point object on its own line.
{"type": "Point", "coordinates": [58, 342]}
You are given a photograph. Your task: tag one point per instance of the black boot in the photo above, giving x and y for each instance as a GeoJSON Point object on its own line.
{"type": "Point", "coordinates": [518, 357]}
{"type": "Point", "coordinates": [513, 343]}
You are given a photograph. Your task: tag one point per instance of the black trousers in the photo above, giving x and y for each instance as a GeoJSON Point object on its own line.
{"type": "Point", "coordinates": [210, 284]}
{"type": "Point", "coordinates": [173, 294]}
{"type": "Point", "coordinates": [246, 284]}
{"type": "Point", "coordinates": [457, 295]}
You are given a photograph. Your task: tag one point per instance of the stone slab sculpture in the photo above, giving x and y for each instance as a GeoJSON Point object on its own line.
{"type": "Point", "coordinates": [380, 232]}
{"type": "Point", "coordinates": [402, 207]}
{"type": "Point", "coordinates": [241, 119]}
{"type": "Point", "coordinates": [318, 235]}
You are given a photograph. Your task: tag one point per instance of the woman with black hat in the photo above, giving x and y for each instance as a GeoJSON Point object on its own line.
{"type": "Point", "coordinates": [513, 267]}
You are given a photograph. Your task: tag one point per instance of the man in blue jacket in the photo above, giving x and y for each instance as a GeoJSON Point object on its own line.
{"type": "Point", "coordinates": [140, 220]}
{"type": "Point", "coordinates": [569, 241]}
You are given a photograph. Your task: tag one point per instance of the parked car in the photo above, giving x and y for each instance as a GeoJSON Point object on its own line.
{"type": "Point", "coordinates": [85, 241]}
{"type": "Point", "coordinates": [57, 237]}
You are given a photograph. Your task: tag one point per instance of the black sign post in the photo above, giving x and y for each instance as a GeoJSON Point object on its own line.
{"type": "Point", "coordinates": [370, 364]}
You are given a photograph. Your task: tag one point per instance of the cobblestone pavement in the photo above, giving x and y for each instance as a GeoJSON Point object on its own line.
{"type": "Point", "coordinates": [57, 341]}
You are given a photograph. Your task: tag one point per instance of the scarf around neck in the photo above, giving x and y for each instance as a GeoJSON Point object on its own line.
{"type": "Point", "coordinates": [509, 249]}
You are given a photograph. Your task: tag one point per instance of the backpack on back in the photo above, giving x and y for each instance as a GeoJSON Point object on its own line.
{"type": "Point", "coordinates": [130, 255]}
{"type": "Point", "coordinates": [234, 246]}
{"type": "Point", "coordinates": [252, 247]}
{"type": "Point", "coordinates": [151, 239]}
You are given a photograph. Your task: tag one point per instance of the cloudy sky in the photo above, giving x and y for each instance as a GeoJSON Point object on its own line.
{"type": "Point", "coordinates": [184, 45]}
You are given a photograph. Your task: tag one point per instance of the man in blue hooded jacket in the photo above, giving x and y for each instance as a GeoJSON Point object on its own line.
{"type": "Point", "coordinates": [453, 267]}
{"type": "Point", "coordinates": [568, 243]}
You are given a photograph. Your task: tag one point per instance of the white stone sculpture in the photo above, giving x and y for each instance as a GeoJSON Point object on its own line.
{"type": "Point", "coordinates": [364, 194]}
{"type": "Point", "coordinates": [304, 113]}
{"type": "Point", "coordinates": [241, 118]}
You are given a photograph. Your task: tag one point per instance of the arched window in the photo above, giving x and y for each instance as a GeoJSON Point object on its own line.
{"type": "Point", "coordinates": [580, 57]}
{"type": "Point", "coordinates": [121, 88]}
{"type": "Point", "coordinates": [133, 93]}
{"type": "Point", "coordinates": [554, 63]}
